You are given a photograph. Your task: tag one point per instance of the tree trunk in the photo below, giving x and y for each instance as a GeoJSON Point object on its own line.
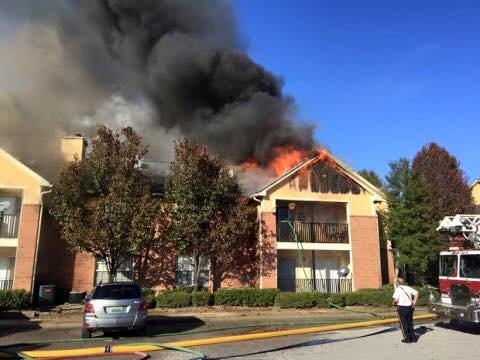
{"type": "Point", "coordinates": [196, 270]}
{"type": "Point", "coordinates": [112, 266]}
{"type": "Point", "coordinates": [215, 275]}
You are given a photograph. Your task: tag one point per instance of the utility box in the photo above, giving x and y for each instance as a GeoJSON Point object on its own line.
{"type": "Point", "coordinates": [76, 297]}
{"type": "Point", "coordinates": [46, 295]}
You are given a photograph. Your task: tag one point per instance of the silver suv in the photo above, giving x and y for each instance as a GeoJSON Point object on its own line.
{"type": "Point", "coordinates": [114, 307]}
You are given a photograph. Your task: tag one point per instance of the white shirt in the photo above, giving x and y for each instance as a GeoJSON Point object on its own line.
{"type": "Point", "coordinates": [403, 295]}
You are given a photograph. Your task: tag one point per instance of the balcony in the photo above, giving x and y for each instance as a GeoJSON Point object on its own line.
{"type": "Point", "coordinates": [329, 286]}
{"type": "Point", "coordinates": [312, 232]}
{"type": "Point", "coordinates": [6, 284]}
{"type": "Point", "coordinates": [9, 226]}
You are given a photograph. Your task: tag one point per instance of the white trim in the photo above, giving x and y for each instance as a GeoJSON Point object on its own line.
{"type": "Point", "coordinates": [41, 181]}
{"type": "Point", "coordinates": [283, 245]}
{"type": "Point", "coordinates": [475, 183]}
{"type": "Point", "coordinates": [349, 222]}
{"type": "Point", "coordinates": [9, 242]}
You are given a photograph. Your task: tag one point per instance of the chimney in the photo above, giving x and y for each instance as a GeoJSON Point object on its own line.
{"type": "Point", "coordinates": [73, 146]}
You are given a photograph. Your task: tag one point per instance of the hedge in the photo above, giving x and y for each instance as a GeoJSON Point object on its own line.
{"type": "Point", "coordinates": [363, 297]}
{"type": "Point", "coordinates": [14, 299]}
{"type": "Point", "coordinates": [202, 298]}
{"type": "Point", "coordinates": [149, 296]}
{"type": "Point", "coordinates": [301, 300]}
{"type": "Point", "coordinates": [174, 299]}
{"type": "Point", "coordinates": [251, 297]}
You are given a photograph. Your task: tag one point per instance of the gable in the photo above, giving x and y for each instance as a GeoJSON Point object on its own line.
{"type": "Point", "coordinates": [15, 175]}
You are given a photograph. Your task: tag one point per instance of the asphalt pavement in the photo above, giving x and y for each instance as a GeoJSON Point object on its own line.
{"type": "Point", "coordinates": [438, 339]}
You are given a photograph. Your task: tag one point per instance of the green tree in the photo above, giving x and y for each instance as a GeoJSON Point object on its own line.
{"type": "Point", "coordinates": [207, 217]}
{"type": "Point", "coordinates": [372, 177]}
{"type": "Point", "coordinates": [104, 203]}
{"type": "Point", "coordinates": [411, 229]}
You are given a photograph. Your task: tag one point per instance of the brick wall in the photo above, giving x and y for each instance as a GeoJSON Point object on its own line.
{"type": "Point", "coordinates": [365, 252]}
{"type": "Point", "coordinates": [83, 272]}
{"type": "Point", "coordinates": [269, 251]}
{"type": "Point", "coordinates": [27, 239]}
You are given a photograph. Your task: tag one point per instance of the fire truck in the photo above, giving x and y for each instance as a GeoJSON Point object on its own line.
{"type": "Point", "coordinates": [459, 276]}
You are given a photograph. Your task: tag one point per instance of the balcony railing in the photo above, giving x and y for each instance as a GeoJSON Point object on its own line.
{"type": "Point", "coordinates": [330, 286]}
{"type": "Point", "coordinates": [6, 284]}
{"type": "Point", "coordinates": [9, 225]}
{"type": "Point", "coordinates": [312, 232]}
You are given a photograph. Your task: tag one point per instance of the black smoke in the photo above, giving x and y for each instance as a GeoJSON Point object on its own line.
{"type": "Point", "coordinates": [181, 58]}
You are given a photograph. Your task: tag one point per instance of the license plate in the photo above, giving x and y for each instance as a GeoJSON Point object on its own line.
{"type": "Point", "coordinates": [116, 310]}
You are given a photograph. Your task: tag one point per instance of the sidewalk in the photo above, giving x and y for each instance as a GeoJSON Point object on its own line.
{"type": "Point", "coordinates": [72, 317]}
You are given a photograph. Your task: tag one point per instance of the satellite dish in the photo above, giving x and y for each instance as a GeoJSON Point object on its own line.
{"type": "Point", "coordinates": [4, 205]}
{"type": "Point", "coordinates": [343, 272]}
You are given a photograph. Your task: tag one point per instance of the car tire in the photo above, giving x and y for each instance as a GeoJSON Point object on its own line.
{"type": "Point", "coordinates": [86, 333]}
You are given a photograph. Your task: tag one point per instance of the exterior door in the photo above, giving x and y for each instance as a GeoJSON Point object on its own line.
{"type": "Point", "coordinates": [286, 274]}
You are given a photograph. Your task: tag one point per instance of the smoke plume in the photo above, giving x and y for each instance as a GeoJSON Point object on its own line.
{"type": "Point", "coordinates": [166, 67]}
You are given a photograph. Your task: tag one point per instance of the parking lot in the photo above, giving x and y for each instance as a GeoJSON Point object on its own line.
{"type": "Point", "coordinates": [438, 340]}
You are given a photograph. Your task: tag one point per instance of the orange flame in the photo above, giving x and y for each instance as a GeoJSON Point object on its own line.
{"type": "Point", "coordinates": [287, 157]}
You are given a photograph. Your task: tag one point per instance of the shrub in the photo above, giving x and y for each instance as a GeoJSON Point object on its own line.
{"type": "Point", "coordinates": [201, 298]}
{"type": "Point", "coordinates": [260, 297]}
{"type": "Point", "coordinates": [320, 300]}
{"type": "Point", "coordinates": [14, 299]}
{"type": "Point", "coordinates": [337, 299]}
{"type": "Point", "coordinates": [424, 295]}
{"type": "Point", "coordinates": [174, 299]}
{"type": "Point", "coordinates": [250, 297]}
{"type": "Point", "coordinates": [149, 296]}
{"type": "Point", "coordinates": [293, 300]}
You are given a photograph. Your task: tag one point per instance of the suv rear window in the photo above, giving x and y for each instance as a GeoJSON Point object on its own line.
{"type": "Point", "coordinates": [117, 292]}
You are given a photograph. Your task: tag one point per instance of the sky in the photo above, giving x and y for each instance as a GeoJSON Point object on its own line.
{"type": "Point", "coordinates": [380, 79]}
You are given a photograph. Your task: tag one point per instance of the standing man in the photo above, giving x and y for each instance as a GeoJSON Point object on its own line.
{"type": "Point", "coordinates": [405, 298]}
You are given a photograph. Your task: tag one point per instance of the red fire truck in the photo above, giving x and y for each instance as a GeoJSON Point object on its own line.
{"type": "Point", "coordinates": [459, 276]}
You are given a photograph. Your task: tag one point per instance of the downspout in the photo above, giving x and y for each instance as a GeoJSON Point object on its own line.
{"type": "Point", "coordinates": [39, 229]}
{"type": "Point", "coordinates": [260, 238]}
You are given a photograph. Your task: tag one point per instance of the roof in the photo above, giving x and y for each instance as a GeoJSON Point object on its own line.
{"type": "Point", "coordinates": [364, 183]}
{"type": "Point", "coordinates": [41, 181]}
{"type": "Point", "coordinates": [476, 182]}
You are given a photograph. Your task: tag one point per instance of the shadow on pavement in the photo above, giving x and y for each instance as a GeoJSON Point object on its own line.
{"type": "Point", "coordinates": [158, 324]}
{"type": "Point", "coordinates": [18, 323]}
{"type": "Point", "coordinates": [469, 328]}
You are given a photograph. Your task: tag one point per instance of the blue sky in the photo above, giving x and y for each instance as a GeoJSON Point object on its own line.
{"type": "Point", "coordinates": [379, 78]}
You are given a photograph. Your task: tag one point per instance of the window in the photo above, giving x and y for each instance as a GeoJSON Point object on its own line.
{"type": "Point", "coordinates": [124, 272]}
{"type": "Point", "coordinates": [448, 265]}
{"type": "Point", "coordinates": [184, 271]}
{"type": "Point", "coordinates": [470, 266]}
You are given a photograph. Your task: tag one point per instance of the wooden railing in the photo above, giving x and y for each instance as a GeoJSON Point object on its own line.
{"type": "Point", "coordinates": [330, 286]}
{"type": "Point", "coordinates": [9, 225]}
{"type": "Point", "coordinates": [312, 232]}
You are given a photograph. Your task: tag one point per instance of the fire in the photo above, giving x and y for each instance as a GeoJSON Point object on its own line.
{"type": "Point", "coordinates": [286, 158]}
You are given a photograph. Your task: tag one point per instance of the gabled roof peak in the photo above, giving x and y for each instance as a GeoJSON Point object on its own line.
{"type": "Point", "coordinates": [365, 184]}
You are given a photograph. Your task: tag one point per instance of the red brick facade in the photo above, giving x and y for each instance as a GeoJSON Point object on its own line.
{"type": "Point", "coordinates": [365, 252]}
{"type": "Point", "coordinates": [83, 272]}
{"type": "Point", "coordinates": [269, 251]}
{"type": "Point", "coordinates": [27, 241]}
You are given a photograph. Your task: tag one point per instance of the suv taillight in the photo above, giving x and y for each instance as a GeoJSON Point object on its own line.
{"type": "Point", "coordinates": [89, 309]}
{"type": "Point", "coordinates": [143, 306]}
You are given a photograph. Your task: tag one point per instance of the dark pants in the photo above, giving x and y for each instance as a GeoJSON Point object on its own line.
{"type": "Point", "coordinates": [405, 313]}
